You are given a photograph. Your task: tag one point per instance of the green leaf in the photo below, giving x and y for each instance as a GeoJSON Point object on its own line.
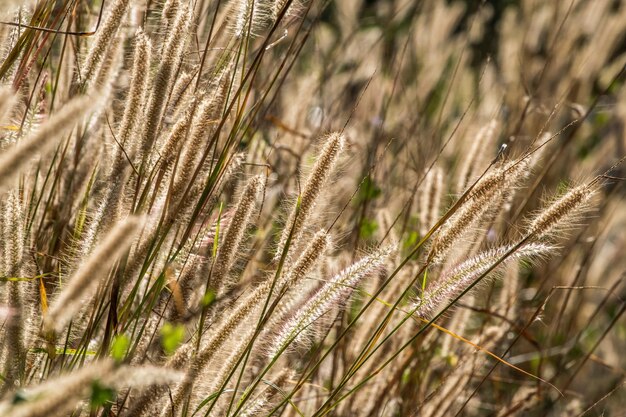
{"type": "Point", "coordinates": [119, 347]}
{"type": "Point", "coordinates": [208, 298]}
{"type": "Point", "coordinates": [368, 228]}
{"type": "Point", "coordinates": [217, 231]}
{"type": "Point", "coordinates": [171, 337]}
{"type": "Point", "coordinates": [100, 395]}
{"type": "Point", "coordinates": [411, 240]}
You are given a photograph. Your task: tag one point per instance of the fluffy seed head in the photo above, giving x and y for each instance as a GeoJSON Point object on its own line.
{"type": "Point", "coordinates": [138, 85]}
{"type": "Point", "coordinates": [554, 217]}
{"type": "Point", "coordinates": [238, 226]}
{"type": "Point", "coordinates": [430, 200]}
{"type": "Point", "coordinates": [332, 294]}
{"type": "Point", "coordinates": [86, 277]}
{"type": "Point", "coordinates": [247, 17]}
{"type": "Point", "coordinates": [103, 39]}
{"type": "Point", "coordinates": [170, 59]}
{"type": "Point", "coordinates": [472, 161]}
{"type": "Point", "coordinates": [322, 170]}
{"type": "Point", "coordinates": [457, 279]}
{"type": "Point", "coordinates": [320, 242]}
{"type": "Point", "coordinates": [14, 160]}
{"type": "Point", "coordinates": [59, 395]}
{"type": "Point", "coordinates": [7, 100]}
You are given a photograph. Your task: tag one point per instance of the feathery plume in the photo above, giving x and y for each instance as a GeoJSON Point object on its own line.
{"type": "Point", "coordinates": [179, 132]}
{"type": "Point", "coordinates": [138, 85]}
{"type": "Point", "coordinates": [322, 170]}
{"type": "Point", "coordinates": [58, 396]}
{"type": "Point", "coordinates": [560, 212]}
{"type": "Point", "coordinates": [330, 295]}
{"type": "Point", "coordinates": [248, 17]}
{"type": "Point", "coordinates": [457, 279]}
{"type": "Point", "coordinates": [181, 90]}
{"type": "Point", "coordinates": [14, 248]}
{"type": "Point", "coordinates": [267, 398]}
{"type": "Point", "coordinates": [201, 128]}
{"type": "Point", "coordinates": [236, 231]}
{"type": "Point", "coordinates": [7, 100]}
{"type": "Point", "coordinates": [13, 160]}
{"type": "Point", "coordinates": [84, 279]}
{"type": "Point", "coordinates": [295, 274]}
{"type": "Point", "coordinates": [319, 244]}
{"type": "Point", "coordinates": [230, 362]}
{"type": "Point", "coordinates": [170, 59]}
{"type": "Point", "coordinates": [141, 376]}
{"type": "Point", "coordinates": [168, 17]}
{"type": "Point", "coordinates": [430, 200]}
{"type": "Point", "coordinates": [472, 160]}
{"type": "Point", "coordinates": [245, 308]}
{"type": "Point", "coordinates": [132, 110]}
{"type": "Point", "coordinates": [102, 41]}
{"type": "Point", "coordinates": [276, 7]}
{"type": "Point", "coordinates": [484, 196]}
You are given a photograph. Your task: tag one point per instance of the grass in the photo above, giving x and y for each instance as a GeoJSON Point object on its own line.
{"type": "Point", "coordinates": [310, 208]}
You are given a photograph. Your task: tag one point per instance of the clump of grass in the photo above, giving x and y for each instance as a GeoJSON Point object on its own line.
{"type": "Point", "coordinates": [178, 240]}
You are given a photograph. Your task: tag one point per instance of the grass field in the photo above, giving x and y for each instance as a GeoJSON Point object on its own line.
{"type": "Point", "coordinates": [312, 208]}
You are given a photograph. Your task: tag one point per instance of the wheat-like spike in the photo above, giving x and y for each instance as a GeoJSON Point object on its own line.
{"type": "Point", "coordinates": [142, 376]}
{"type": "Point", "coordinates": [206, 118]}
{"type": "Point", "coordinates": [108, 69]}
{"type": "Point", "coordinates": [14, 160]}
{"type": "Point", "coordinates": [276, 7]}
{"type": "Point", "coordinates": [104, 36]}
{"type": "Point", "coordinates": [230, 362]}
{"type": "Point", "coordinates": [267, 397]}
{"type": "Point", "coordinates": [14, 248]}
{"type": "Point", "coordinates": [457, 279]}
{"type": "Point", "coordinates": [556, 215]}
{"type": "Point", "coordinates": [170, 149]}
{"type": "Point", "coordinates": [430, 200]}
{"type": "Point", "coordinates": [486, 194]}
{"type": "Point", "coordinates": [201, 128]}
{"type": "Point", "coordinates": [170, 59]}
{"type": "Point", "coordinates": [318, 246]}
{"type": "Point", "coordinates": [332, 294]}
{"type": "Point", "coordinates": [13, 234]}
{"type": "Point", "coordinates": [302, 266]}
{"type": "Point", "coordinates": [184, 390]}
{"type": "Point", "coordinates": [7, 100]}
{"type": "Point", "coordinates": [466, 216]}
{"type": "Point", "coordinates": [170, 7]}
{"type": "Point", "coordinates": [138, 256]}
{"type": "Point", "coordinates": [471, 161]}
{"type": "Point", "coordinates": [132, 110]}
{"type": "Point", "coordinates": [231, 168]}
{"type": "Point", "coordinates": [220, 336]}
{"type": "Point", "coordinates": [139, 78]}
{"type": "Point", "coordinates": [168, 15]}
{"type": "Point", "coordinates": [322, 170]}
{"type": "Point", "coordinates": [233, 237]}
{"type": "Point", "coordinates": [90, 272]}
{"type": "Point", "coordinates": [183, 87]}
{"type": "Point", "coordinates": [248, 16]}
{"type": "Point", "coordinates": [247, 305]}
{"type": "Point", "coordinates": [57, 396]}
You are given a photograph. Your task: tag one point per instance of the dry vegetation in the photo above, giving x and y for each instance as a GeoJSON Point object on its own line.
{"type": "Point", "coordinates": [311, 208]}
